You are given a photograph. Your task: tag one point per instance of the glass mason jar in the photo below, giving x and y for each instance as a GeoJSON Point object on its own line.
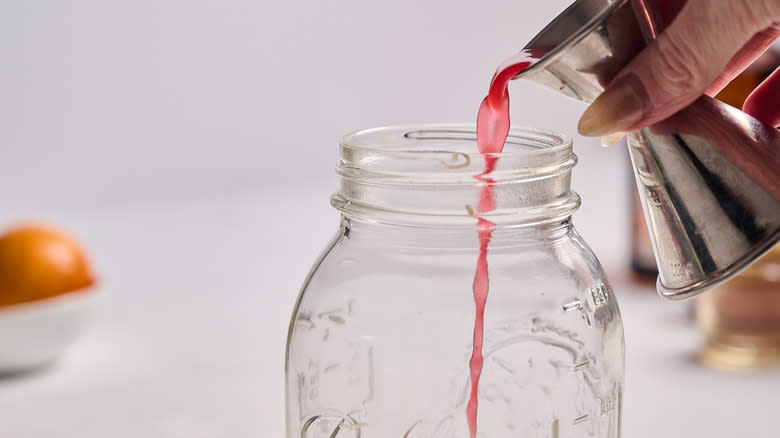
{"type": "Point", "coordinates": [382, 333]}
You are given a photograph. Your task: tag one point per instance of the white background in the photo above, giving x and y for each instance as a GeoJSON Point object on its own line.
{"type": "Point", "coordinates": [184, 140]}
{"type": "Point", "coordinates": [108, 102]}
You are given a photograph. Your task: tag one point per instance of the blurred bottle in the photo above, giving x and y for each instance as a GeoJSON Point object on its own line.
{"type": "Point", "coordinates": [741, 318]}
{"type": "Point", "coordinates": [740, 87]}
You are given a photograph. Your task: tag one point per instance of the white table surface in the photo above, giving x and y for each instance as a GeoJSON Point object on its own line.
{"type": "Point", "coordinates": [188, 336]}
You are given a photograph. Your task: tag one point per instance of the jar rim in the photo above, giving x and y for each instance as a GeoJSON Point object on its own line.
{"type": "Point", "coordinates": [432, 173]}
{"type": "Point", "coordinates": [447, 153]}
{"type": "Point", "coordinates": [521, 141]}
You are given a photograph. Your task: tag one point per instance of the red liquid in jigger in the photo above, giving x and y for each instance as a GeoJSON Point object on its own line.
{"type": "Point", "coordinates": [492, 130]}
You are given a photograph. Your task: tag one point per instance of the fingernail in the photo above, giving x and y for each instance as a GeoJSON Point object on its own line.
{"type": "Point", "coordinates": [609, 140]}
{"type": "Point", "coordinates": [621, 105]}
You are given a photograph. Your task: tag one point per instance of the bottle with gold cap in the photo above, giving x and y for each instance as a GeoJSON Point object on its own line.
{"type": "Point", "coordinates": [741, 318]}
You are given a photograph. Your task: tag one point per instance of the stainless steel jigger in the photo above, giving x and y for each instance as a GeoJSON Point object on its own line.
{"type": "Point", "coordinates": [708, 177]}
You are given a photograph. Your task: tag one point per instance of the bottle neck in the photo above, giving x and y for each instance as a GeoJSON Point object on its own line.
{"type": "Point", "coordinates": [437, 238]}
{"type": "Point", "coordinates": [515, 202]}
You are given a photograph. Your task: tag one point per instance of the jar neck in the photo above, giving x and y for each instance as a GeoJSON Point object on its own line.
{"type": "Point", "coordinates": [367, 232]}
{"type": "Point", "coordinates": [433, 177]}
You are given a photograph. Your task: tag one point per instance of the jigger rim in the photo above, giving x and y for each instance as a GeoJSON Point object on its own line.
{"type": "Point", "coordinates": [571, 40]}
{"type": "Point", "coordinates": [721, 275]}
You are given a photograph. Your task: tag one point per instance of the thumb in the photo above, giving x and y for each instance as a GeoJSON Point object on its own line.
{"type": "Point", "coordinates": [676, 68]}
{"type": "Point", "coordinates": [763, 101]}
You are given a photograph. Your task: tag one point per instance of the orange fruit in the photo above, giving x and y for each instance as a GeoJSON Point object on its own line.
{"type": "Point", "coordinates": [38, 262]}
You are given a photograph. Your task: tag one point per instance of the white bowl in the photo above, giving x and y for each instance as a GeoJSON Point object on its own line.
{"type": "Point", "coordinates": [36, 333]}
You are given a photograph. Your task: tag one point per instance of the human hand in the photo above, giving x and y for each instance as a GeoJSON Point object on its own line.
{"type": "Point", "coordinates": [707, 44]}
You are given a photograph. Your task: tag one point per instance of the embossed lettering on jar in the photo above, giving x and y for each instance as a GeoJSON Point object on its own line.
{"type": "Point", "coordinates": [381, 335]}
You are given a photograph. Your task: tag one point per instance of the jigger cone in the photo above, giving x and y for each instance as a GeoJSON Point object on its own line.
{"type": "Point", "coordinates": [708, 177]}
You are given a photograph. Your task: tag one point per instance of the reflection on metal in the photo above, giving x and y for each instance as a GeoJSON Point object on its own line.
{"type": "Point", "coordinates": [707, 176]}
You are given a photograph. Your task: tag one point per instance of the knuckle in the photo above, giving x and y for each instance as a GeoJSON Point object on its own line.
{"type": "Point", "coordinates": [751, 16]}
{"type": "Point", "coordinates": [678, 68]}
{"type": "Point", "coordinates": [763, 13]}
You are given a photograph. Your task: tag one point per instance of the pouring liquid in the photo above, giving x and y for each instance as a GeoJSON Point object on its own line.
{"type": "Point", "coordinates": [492, 131]}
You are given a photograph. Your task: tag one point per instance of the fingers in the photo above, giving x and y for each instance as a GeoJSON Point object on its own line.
{"type": "Point", "coordinates": [744, 58]}
{"type": "Point", "coordinates": [764, 102]}
{"type": "Point", "coordinates": [679, 65]}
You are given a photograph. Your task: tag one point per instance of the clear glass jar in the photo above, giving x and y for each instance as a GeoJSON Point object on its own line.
{"type": "Point", "coordinates": [381, 336]}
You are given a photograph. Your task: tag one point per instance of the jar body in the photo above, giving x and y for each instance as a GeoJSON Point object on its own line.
{"type": "Point", "coordinates": [381, 338]}
{"type": "Point", "coordinates": [386, 335]}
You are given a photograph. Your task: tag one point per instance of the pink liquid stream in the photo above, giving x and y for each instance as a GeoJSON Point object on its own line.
{"type": "Point", "coordinates": [492, 130]}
